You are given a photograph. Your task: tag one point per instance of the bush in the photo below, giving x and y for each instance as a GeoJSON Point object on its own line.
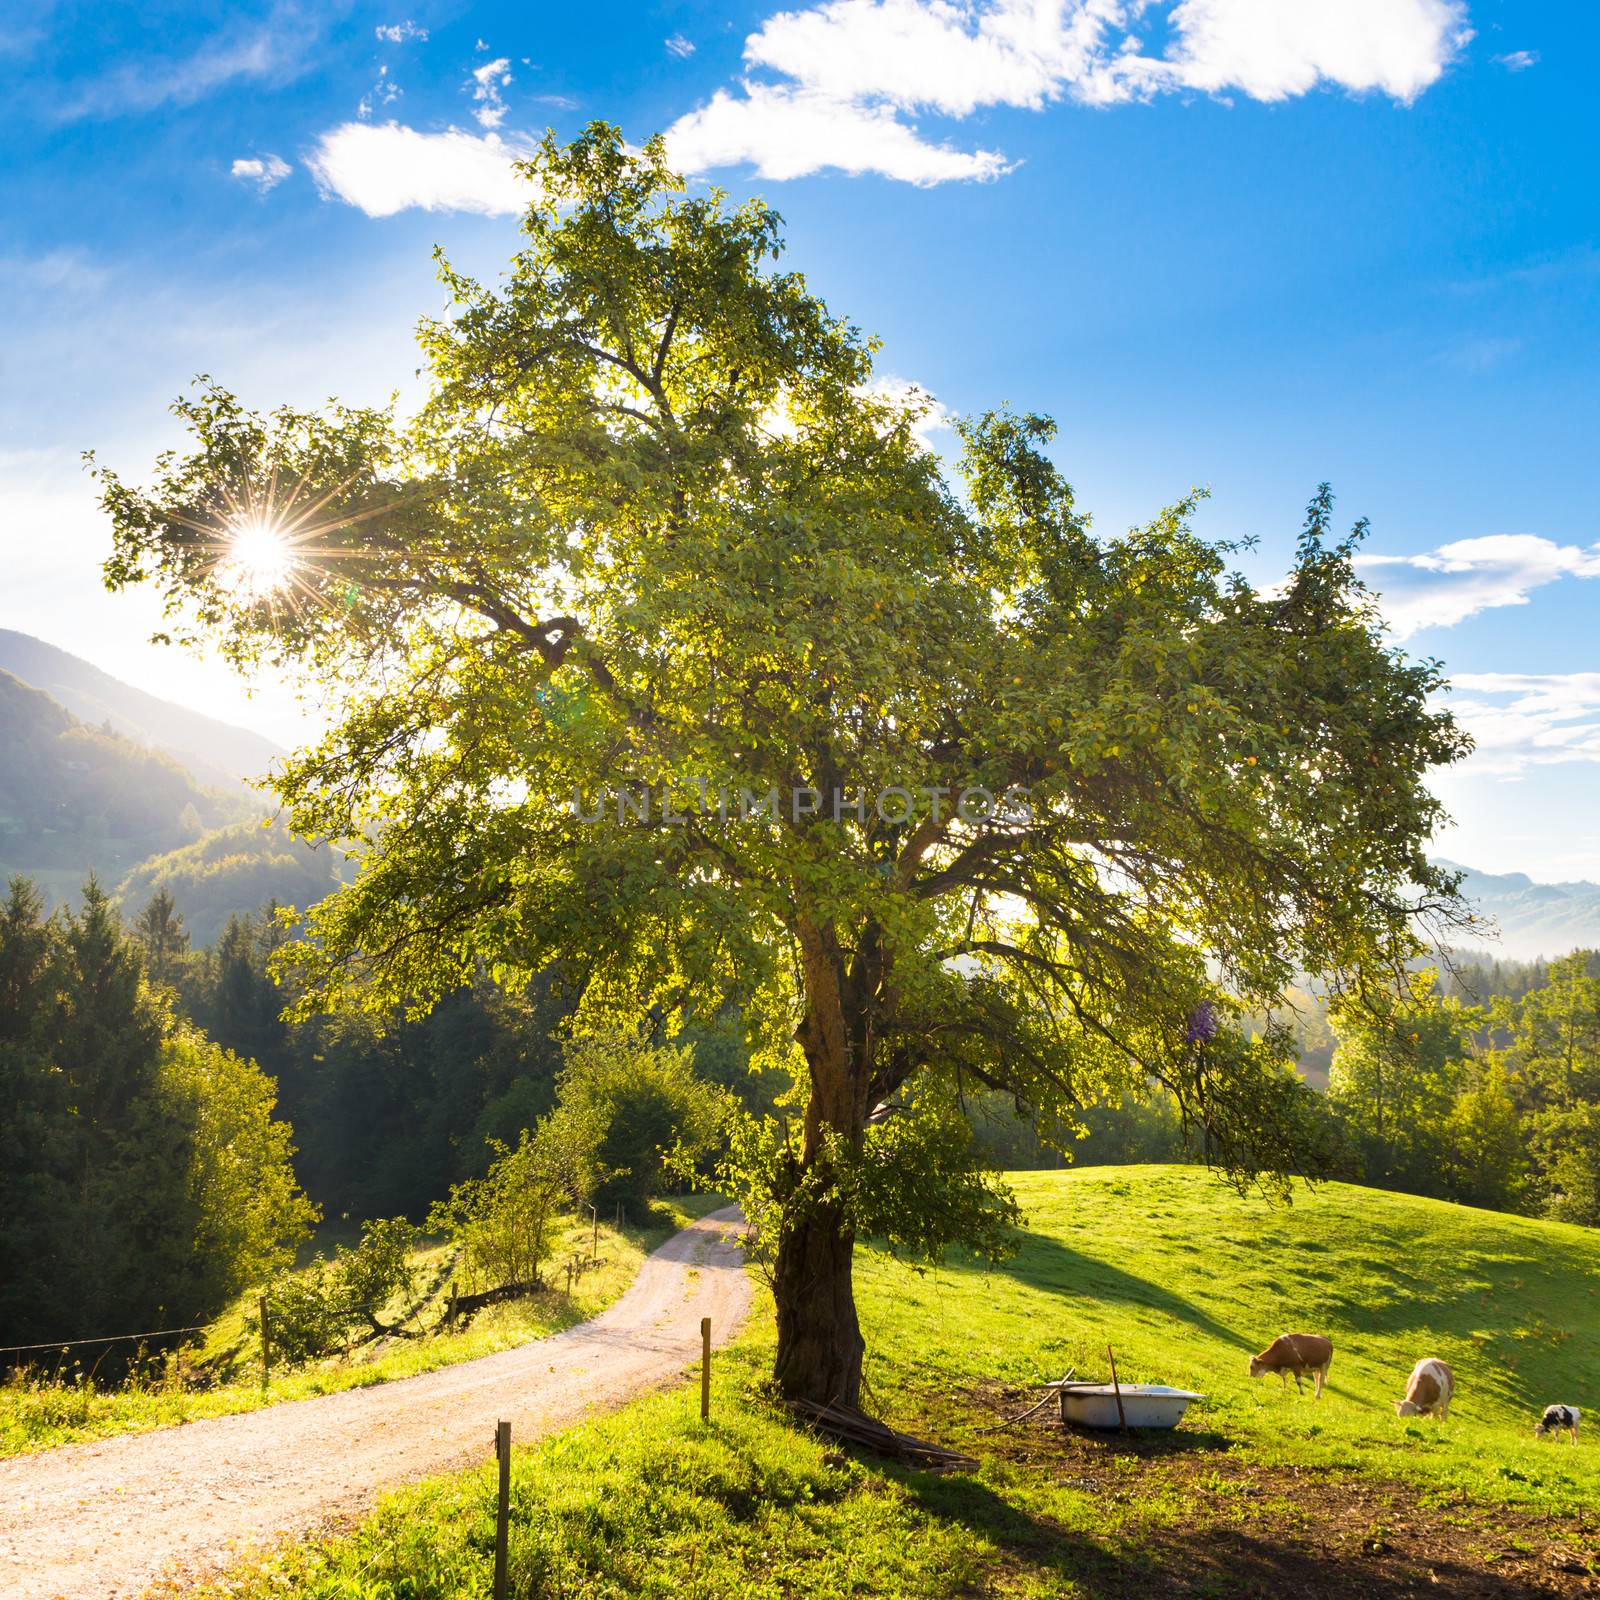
{"type": "Point", "coordinates": [503, 1223]}
{"type": "Point", "coordinates": [316, 1310]}
{"type": "Point", "coordinates": [650, 1107]}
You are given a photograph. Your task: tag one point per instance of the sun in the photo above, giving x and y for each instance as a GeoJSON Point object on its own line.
{"type": "Point", "coordinates": [258, 560]}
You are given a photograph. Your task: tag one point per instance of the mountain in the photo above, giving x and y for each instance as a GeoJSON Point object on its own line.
{"type": "Point", "coordinates": [1534, 919]}
{"type": "Point", "coordinates": [215, 752]}
{"type": "Point", "coordinates": [75, 797]}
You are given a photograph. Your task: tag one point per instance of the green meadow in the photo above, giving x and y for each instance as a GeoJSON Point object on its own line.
{"type": "Point", "coordinates": [1260, 1492]}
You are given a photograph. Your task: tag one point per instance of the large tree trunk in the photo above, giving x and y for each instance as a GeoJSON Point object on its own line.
{"type": "Point", "coordinates": [819, 1340]}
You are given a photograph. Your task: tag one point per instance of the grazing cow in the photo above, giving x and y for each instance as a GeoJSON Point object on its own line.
{"type": "Point", "coordinates": [1297, 1353]}
{"type": "Point", "coordinates": [1430, 1388]}
{"type": "Point", "coordinates": [1557, 1420]}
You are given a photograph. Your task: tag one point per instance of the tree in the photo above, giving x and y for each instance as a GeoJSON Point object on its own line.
{"type": "Point", "coordinates": [159, 930]}
{"type": "Point", "coordinates": [1555, 1035]}
{"type": "Point", "coordinates": [245, 1210]}
{"type": "Point", "coordinates": [668, 649]}
{"type": "Point", "coordinates": [649, 1104]}
{"type": "Point", "coordinates": [503, 1223]}
{"type": "Point", "coordinates": [1401, 1061]}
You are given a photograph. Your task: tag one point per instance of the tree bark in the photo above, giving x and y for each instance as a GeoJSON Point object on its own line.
{"type": "Point", "coordinates": [819, 1340]}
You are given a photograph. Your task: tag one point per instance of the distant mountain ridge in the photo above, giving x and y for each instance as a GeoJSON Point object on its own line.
{"type": "Point", "coordinates": [115, 796]}
{"type": "Point", "coordinates": [1534, 919]}
{"type": "Point", "coordinates": [215, 752]}
{"type": "Point", "coordinates": [75, 798]}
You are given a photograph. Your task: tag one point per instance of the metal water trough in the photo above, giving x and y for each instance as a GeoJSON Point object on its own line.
{"type": "Point", "coordinates": [1143, 1405]}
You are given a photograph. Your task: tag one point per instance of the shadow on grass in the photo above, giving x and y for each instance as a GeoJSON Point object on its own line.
{"type": "Point", "coordinates": [1139, 1561]}
{"type": "Point", "coordinates": [1045, 1263]}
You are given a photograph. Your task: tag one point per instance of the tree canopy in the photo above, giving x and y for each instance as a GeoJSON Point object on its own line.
{"type": "Point", "coordinates": [670, 652]}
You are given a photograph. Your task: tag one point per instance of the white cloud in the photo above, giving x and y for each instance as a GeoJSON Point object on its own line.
{"type": "Point", "coordinates": [488, 81]}
{"type": "Point", "coordinates": [868, 64]}
{"type": "Point", "coordinates": [680, 47]}
{"type": "Point", "coordinates": [932, 416]}
{"type": "Point", "coordinates": [1522, 720]}
{"type": "Point", "coordinates": [384, 92]}
{"type": "Point", "coordinates": [1518, 60]}
{"type": "Point", "coordinates": [1270, 49]}
{"type": "Point", "coordinates": [390, 168]}
{"type": "Point", "coordinates": [1445, 586]}
{"type": "Point", "coordinates": [838, 85]}
{"type": "Point", "coordinates": [784, 133]}
{"type": "Point", "coordinates": [399, 32]}
{"type": "Point", "coordinates": [265, 172]}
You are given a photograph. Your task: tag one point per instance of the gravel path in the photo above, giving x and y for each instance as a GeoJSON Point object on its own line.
{"type": "Point", "coordinates": [109, 1519]}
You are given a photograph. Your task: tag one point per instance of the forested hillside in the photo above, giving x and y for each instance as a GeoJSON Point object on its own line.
{"type": "Point", "coordinates": [216, 752]}
{"type": "Point", "coordinates": [75, 797]}
{"type": "Point", "coordinates": [230, 871]}
{"type": "Point", "coordinates": [144, 1175]}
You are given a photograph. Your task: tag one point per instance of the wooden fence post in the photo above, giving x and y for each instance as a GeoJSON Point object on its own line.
{"type": "Point", "coordinates": [502, 1516]}
{"type": "Point", "coordinates": [705, 1369]}
{"type": "Point", "coordinates": [594, 1253]}
{"type": "Point", "coordinates": [266, 1347]}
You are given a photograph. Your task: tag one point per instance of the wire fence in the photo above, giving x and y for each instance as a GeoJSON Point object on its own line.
{"type": "Point", "coordinates": [104, 1338]}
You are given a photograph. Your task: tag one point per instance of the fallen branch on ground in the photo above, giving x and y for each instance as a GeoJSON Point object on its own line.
{"type": "Point", "coordinates": [855, 1427]}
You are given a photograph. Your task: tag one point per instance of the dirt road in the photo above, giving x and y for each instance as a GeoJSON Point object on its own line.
{"type": "Point", "coordinates": [108, 1519]}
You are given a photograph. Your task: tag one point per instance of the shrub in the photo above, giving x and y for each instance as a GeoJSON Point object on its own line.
{"type": "Point", "coordinates": [503, 1223]}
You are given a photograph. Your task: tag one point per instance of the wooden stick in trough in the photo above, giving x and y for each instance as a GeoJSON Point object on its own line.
{"type": "Point", "coordinates": [1116, 1389]}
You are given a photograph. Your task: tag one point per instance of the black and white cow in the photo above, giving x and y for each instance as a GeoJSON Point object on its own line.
{"type": "Point", "coordinates": [1557, 1420]}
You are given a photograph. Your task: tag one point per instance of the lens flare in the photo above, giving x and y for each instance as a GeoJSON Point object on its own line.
{"type": "Point", "coordinates": [259, 559]}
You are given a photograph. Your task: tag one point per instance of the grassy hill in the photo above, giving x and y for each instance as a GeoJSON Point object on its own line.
{"type": "Point", "coordinates": [1186, 1280]}
{"type": "Point", "coordinates": [1260, 1493]}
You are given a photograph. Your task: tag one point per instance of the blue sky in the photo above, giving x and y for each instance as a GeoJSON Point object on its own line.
{"type": "Point", "coordinates": [1249, 244]}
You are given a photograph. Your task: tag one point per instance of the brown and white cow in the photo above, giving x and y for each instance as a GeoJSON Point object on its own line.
{"type": "Point", "coordinates": [1298, 1353]}
{"type": "Point", "coordinates": [1430, 1389]}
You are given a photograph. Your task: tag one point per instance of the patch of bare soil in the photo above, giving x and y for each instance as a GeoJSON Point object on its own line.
{"type": "Point", "coordinates": [1245, 1530]}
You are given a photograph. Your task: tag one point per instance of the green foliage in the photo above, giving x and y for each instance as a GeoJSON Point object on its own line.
{"type": "Point", "coordinates": [503, 1223]}
{"type": "Point", "coordinates": [317, 1308]}
{"type": "Point", "coordinates": [1496, 1105]}
{"type": "Point", "coordinates": [161, 935]}
{"type": "Point", "coordinates": [650, 1105]}
{"type": "Point", "coordinates": [916, 1183]}
{"type": "Point", "coordinates": [654, 527]}
{"type": "Point", "coordinates": [247, 1208]}
{"type": "Point", "coordinates": [1399, 1066]}
{"type": "Point", "coordinates": [388, 1113]}
{"type": "Point", "coordinates": [143, 1176]}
